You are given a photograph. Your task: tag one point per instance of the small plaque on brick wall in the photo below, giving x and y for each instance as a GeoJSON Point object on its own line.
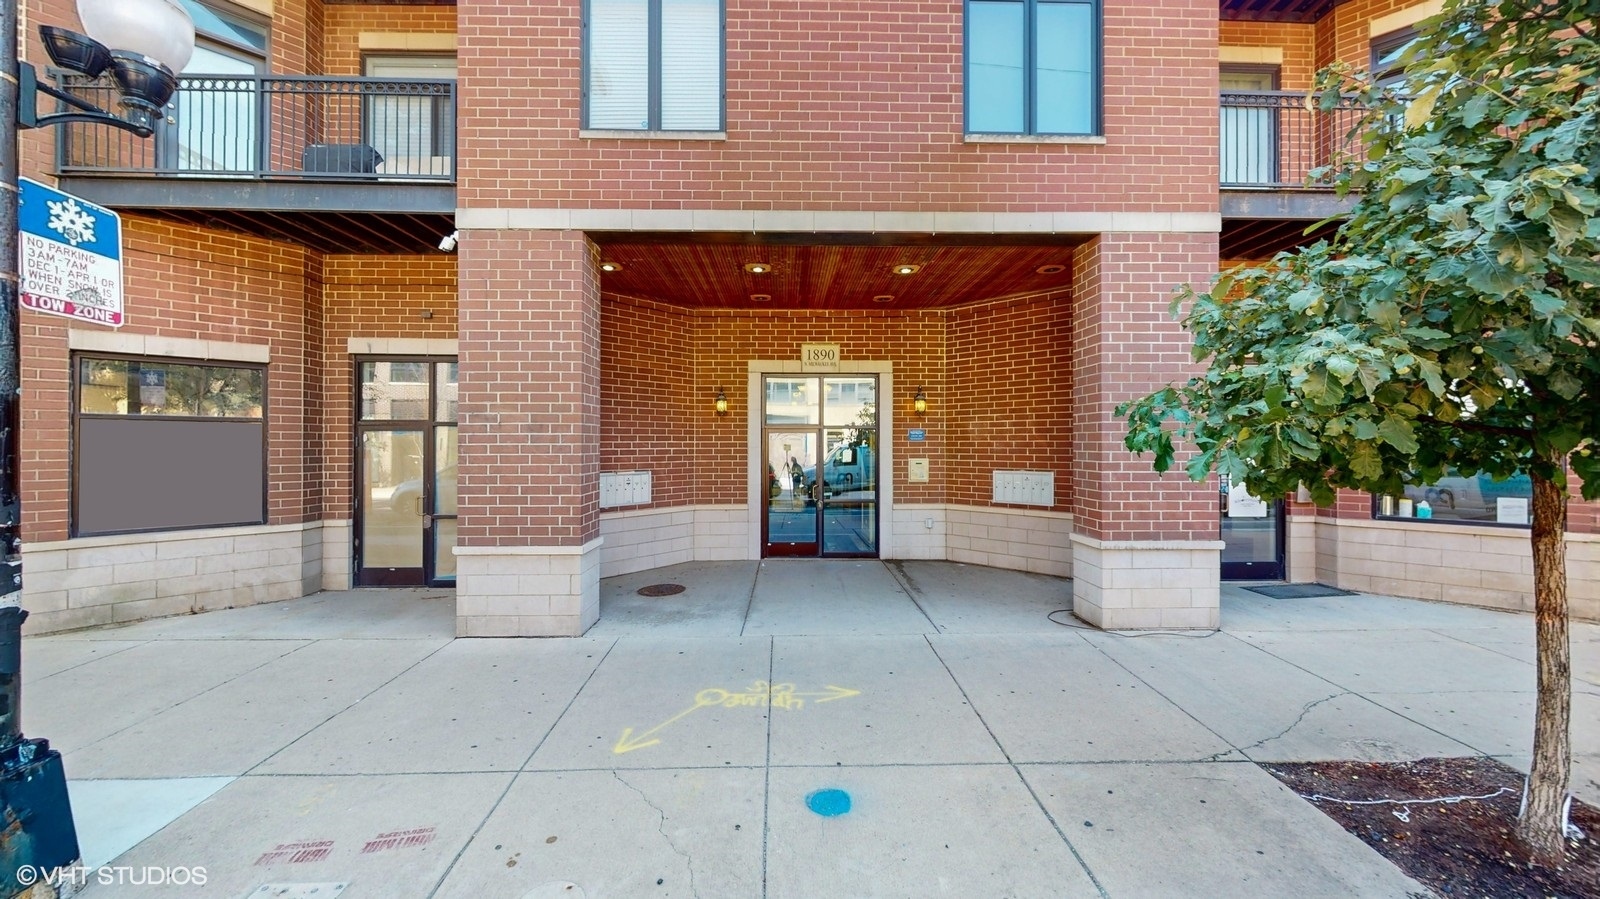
{"type": "Point", "coordinates": [819, 356]}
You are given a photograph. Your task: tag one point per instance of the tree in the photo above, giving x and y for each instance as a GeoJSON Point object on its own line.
{"type": "Point", "coordinates": [1450, 324]}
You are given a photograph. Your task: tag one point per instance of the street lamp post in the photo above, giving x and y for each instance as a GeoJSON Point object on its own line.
{"type": "Point", "coordinates": [155, 39]}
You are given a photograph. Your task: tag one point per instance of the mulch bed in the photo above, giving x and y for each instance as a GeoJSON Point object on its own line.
{"type": "Point", "coordinates": [1466, 848]}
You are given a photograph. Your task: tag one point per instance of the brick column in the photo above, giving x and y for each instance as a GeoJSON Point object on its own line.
{"type": "Point", "coordinates": [528, 536]}
{"type": "Point", "coordinates": [1145, 549]}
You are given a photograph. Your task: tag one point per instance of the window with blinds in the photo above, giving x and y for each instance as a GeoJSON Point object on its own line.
{"type": "Point", "coordinates": [653, 65]}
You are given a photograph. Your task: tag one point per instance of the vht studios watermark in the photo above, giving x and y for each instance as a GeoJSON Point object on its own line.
{"type": "Point", "coordinates": [79, 876]}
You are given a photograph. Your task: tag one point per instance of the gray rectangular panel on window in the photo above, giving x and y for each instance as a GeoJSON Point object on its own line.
{"type": "Point", "coordinates": [138, 474]}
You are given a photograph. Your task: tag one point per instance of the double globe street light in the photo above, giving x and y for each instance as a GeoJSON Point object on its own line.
{"type": "Point", "coordinates": [150, 42]}
{"type": "Point", "coordinates": [156, 38]}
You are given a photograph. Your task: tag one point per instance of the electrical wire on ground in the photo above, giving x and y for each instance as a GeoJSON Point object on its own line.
{"type": "Point", "coordinates": [1084, 627]}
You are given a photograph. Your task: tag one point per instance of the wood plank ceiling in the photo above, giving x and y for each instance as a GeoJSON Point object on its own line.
{"type": "Point", "coordinates": [700, 274]}
{"type": "Point", "coordinates": [1276, 10]}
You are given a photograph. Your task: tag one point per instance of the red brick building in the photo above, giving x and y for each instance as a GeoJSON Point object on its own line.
{"type": "Point", "coordinates": [723, 280]}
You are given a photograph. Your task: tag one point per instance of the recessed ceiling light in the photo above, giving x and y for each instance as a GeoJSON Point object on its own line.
{"type": "Point", "coordinates": [757, 268]}
{"type": "Point", "coordinates": [906, 268]}
{"type": "Point", "coordinates": [1051, 269]}
{"type": "Point", "coordinates": [611, 266]}
{"type": "Point", "coordinates": [761, 298]}
{"type": "Point", "coordinates": [883, 298]}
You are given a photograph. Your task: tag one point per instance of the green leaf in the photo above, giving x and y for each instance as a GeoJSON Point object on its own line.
{"type": "Point", "coordinates": [1565, 384]}
{"type": "Point", "coordinates": [1431, 375]}
{"type": "Point", "coordinates": [1398, 433]}
{"type": "Point", "coordinates": [1411, 175]}
{"type": "Point", "coordinates": [1547, 306]}
{"type": "Point", "coordinates": [1342, 367]}
{"type": "Point", "coordinates": [1385, 315]}
{"type": "Point", "coordinates": [1566, 225]}
{"type": "Point", "coordinates": [1517, 246]}
{"type": "Point", "coordinates": [1222, 288]}
{"type": "Point", "coordinates": [1491, 278]}
{"type": "Point", "coordinates": [1420, 109]}
{"type": "Point", "coordinates": [1366, 429]}
{"type": "Point", "coordinates": [1365, 462]}
{"type": "Point", "coordinates": [1304, 298]}
{"type": "Point", "coordinates": [1585, 271]}
{"type": "Point", "coordinates": [1476, 110]}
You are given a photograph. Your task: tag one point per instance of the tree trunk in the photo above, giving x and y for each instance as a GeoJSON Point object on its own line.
{"type": "Point", "coordinates": [1540, 827]}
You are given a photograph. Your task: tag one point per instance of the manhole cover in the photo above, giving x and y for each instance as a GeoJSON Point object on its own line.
{"type": "Point", "coordinates": [661, 590]}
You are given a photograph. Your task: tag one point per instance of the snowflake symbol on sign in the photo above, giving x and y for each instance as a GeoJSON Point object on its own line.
{"type": "Point", "coordinates": [71, 221]}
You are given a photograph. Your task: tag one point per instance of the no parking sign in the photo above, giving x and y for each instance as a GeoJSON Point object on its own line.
{"type": "Point", "coordinates": [70, 256]}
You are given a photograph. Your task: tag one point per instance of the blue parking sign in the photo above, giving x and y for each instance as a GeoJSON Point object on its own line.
{"type": "Point", "coordinates": [69, 256]}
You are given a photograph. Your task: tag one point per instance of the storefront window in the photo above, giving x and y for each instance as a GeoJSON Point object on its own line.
{"type": "Point", "coordinates": [163, 445]}
{"type": "Point", "coordinates": [1480, 499]}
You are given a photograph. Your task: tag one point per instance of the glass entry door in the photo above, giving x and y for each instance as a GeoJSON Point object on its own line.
{"type": "Point", "coordinates": [1252, 536]}
{"type": "Point", "coordinates": [406, 473]}
{"type": "Point", "coordinates": [820, 440]}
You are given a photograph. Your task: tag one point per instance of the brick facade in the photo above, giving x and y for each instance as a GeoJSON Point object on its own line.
{"type": "Point", "coordinates": [187, 283]}
{"type": "Point", "coordinates": [530, 389]}
{"type": "Point", "coordinates": [831, 106]}
{"type": "Point", "coordinates": [1126, 344]}
{"type": "Point", "coordinates": [1010, 397]}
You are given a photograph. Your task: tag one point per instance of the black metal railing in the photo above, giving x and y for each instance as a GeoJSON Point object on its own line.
{"type": "Point", "coordinates": [1272, 139]}
{"type": "Point", "coordinates": [294, 127]}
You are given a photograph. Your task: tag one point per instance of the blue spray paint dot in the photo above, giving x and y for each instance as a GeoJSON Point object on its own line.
{"type": "Point", "coordinates": [829, 803]}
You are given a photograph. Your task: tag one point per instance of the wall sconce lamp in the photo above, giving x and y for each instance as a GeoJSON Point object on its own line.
{"type": "Point", "coordinates": [722, 402]}
{"type": "Point", "coordinates": [919, 403]}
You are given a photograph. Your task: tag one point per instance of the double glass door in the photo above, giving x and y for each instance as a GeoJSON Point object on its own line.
{"type": "Point", "coordinates": [820, 440]}
{"type": "Point", "coordinates": [406, 473]}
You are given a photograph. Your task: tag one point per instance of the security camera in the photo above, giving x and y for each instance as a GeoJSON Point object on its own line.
{"type": "Point", "coordinates": [448, 242]}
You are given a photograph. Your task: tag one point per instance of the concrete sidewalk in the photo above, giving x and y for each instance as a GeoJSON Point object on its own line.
{"type": "Point", "coordinates": [679, 748]}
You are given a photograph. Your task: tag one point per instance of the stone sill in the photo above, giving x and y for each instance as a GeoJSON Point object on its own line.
{"type": "Point", "coordinates": [1092, 140]}
{"type": "Point", "coordinates": [610, 134]}
{"type": "Point", "coordinates": [174, 536]}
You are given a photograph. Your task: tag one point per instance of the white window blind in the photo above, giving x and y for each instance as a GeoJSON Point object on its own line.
{"type": "Point", "coordinates": [619, 64]}
{"type": "Point", "coordinates": [410, 132]}
{"type": "Point", "coordinates": [691, 65]}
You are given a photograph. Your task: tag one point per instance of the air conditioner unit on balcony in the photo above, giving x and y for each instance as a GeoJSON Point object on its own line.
{"type": "Point", "coordinates": [341, 159]}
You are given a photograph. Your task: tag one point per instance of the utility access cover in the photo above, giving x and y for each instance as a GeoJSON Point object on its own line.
{"type": "Point", "coordinates": [661, 590]}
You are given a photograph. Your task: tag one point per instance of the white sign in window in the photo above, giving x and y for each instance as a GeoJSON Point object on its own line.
{"type": "Point", "coordinates": [1241, 504]}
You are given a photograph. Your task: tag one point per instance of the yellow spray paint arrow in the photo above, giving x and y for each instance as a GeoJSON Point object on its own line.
{"type": "Point", "coordinates": [760, 695]}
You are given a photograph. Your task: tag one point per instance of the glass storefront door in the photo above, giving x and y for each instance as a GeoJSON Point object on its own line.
{"type": "Point", "coordinates": [406, 473]}
{"type": "Point", "coordinates": [1252, 536]}
{"type": "Point", "coordinates": [820, 445]}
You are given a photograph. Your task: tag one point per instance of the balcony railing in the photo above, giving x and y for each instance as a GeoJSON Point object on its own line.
{"type": "Point", "coordinates": [278, 127]}
{"type": "Point", "coordinates": [1270, 139]}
